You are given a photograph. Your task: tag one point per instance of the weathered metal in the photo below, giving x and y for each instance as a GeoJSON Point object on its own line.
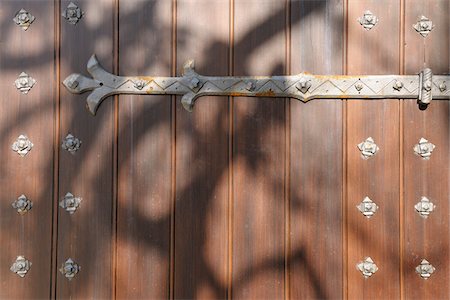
{"type": "Point", "coordinates": [21, 266]}
{"type": "Point", "coordinates": [71, 143]}
{"type": "Point", "coordinates": [367, 267]}
{"type": "Point", "coordinates": [22, 145]}
{"type": "Point", "coordinates": [424, 148]}
{"type": "Point", "coordinates": [69, 269]}
{"type": "Point", "coordinates": [367, 207]}
{"type": "Point", "coordinates": [72, 13]}
{"type": "Point", "coordinates": [70, 203]}
{"type": "Point", "coordinates": [22, 204]}
{"type": "Point", "coordinates": [424, 207]}
{"type": "Point", "coordinates": [423, 26]}
{"type": "Point", "coordinates": [304, 87]}
{"type": "Point", "coordinates": [425, 269]}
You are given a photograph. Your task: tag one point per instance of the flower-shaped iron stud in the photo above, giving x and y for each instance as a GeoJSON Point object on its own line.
{"type": "Point", "coordinates": [69, 269]}
{"type": "Point", "coordinates": [367, 267]}
{"type": "Point", "coordinates": [423, 26]}
{"type": "Point", "coordinates": [73, 13]}
{"type": "Point", "coordinates": [425, 269]}
{"type": "Point", "coordinates": [368, 20]}
{"type": "Point", "coordinates": [23, 19]}
{"type": "Point", "coordinates": [303, 85]}
{"type": "Point", "coordinates": [22, 145]}
{"type": "Point", "coordinates": [424, 207]}
{"type": "Point", "coordinates": [140, 83]}
{"type": "Point", "coordinates": [367, 207]}
{"type": "Point", "coordinates": [424, 148]}
{"type": "Point", "coordinates": [21, 266]}
{"type": "Point", "coordinates": [22, 204]}
{"type": "Point", "coordinates": [71, 144]}
{"type": "Point", "coordinates": [70, 203]}
{"type": "Point", "coordinates": [24, 83]}
{"type": "Point", "coordinates": [368, 148]}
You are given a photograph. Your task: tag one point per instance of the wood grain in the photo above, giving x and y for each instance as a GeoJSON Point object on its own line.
{"type": "Point", "coordinates": [316, 156]}
{"type": "Point", "coordinates": [374, 52]}
{"type": "Point", "coordinates": [201, 219]}
{"type": "Point", "coordinates": [427, 238]}
{"type": "Point", "coordinates": [33, 114]}
{"type": "Point", "coordinates": [259, 155]}
{"type": "Point", "coordinates": [144, 205]}
{"type": "Point", "coordinates": [86, 235]}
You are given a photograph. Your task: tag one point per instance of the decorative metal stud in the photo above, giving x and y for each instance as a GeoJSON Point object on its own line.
{"type": "Point", "coordinates": [24, 83]}
{"type": "Point", "coordinates": [368, 20]}
{"type": "Point", "coordinates": [22, 145]}
{"type": "Point", "coordinates": [22, 204]}
{"type": "Point", "coordinates": [140, 83]}
{"type": "Point", "coordinates": [250, 86]}
{"type": "Point", "coordinates": [368, 148]}
{"type": "Point", "coordinates": [70, 203]}
{"type": "Point", "coordinates": [73, 13]}
{"type": "Point", "coordinates": [442, 87]}
{"type": "Point", "coordinates": [23, 19]}
{"type": "Point", "coordinates": [425, 269]}
{"type": "Point", "coordinates": [424, 148]}
{"type": "Point", "coordinates": [423, 26]}
{"type": "Point", "coordinates": [69, 269]}
{"type": "Point", "coordinates": [359, 86]}
{"type": "Point", "coordinates": [71, 144]}
{"type": "Point", "coordinates": [424, 207]}
{"type": "Point", "coordinates": [367, 207]}
{"type": "Point", "coordinates": [367, 267]}
{"type": "Point", "coordinates": [303, 85]}
{"type": "Point", "coordinates": [398, 85]}
{"type": "Point", "coordinates": [21, 266]}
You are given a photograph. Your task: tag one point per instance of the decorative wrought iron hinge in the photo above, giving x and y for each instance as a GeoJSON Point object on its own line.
{"type": "Point", "coordinates": [304, 87]}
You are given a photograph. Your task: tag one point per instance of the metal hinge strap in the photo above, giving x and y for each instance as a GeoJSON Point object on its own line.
{"type": "Point", "coordinates": [304, 87]}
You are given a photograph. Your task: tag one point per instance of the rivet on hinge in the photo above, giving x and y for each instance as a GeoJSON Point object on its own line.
{"type": "Point", "coordinates": [398, 85]}
{"type": "Point", "coordinates": [22, 145]}
{"type": "Point", "coordinates": [303, 85]}
{"type": "Point", "coordinates": [23, 19]}
{"type": "Point", "coordinates": [425, 269]}
{"type": "Point", "coordinates": [368, 20]}
{"type": "Point", "coordinates": [368, 148]}
{"type": "Point", "coordinates": [69, 269]}
{"type": "Point", "coordinates": [424, 207]}
{"type": "Point", "coordinates": [21, 266]}
{"type": "Point", "coordinates": [367, 207]}
{"type": "Point", "coordinates": [24, 83]}
{"type": "Point", "coordinates": [424, 148]}
{"type": "Point", "coordinates": [443, 87]}
{"type": "Point", "coordinates": [73, 13]}
{"type": "Point", "coordinates": [367, 267]}
{"type": "Point", "coordinates": [140, 83]}
{"type": "Point", "coordinates": [22, 204]}
{"type": "Point", "coordinates": [70, 203]}
{"type": "Point", "coordinates": [423, 26]}
{"type": "Point", "coordinates": [71, 144]}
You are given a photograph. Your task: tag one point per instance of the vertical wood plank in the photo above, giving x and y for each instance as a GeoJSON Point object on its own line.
{"type": "Point", "coordinates": [374, 52]}
{"type": "Point", "coordinates": [85, 236]}
{"type": "Point", "coordinates": [427, 238]}
{"type": "Point", "coordinates": [316, 156]}
{"type": "Point", "coordinates": [201, 228]}
{"type": "Point", "coordinates": [30, 51]}
{"type": "Point", "coordinates": [144, 206]}
{"type": "Point", "coordinates": [259, 155]}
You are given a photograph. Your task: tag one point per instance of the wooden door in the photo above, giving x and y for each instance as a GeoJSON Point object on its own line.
{"type": "Point", "coordinates": [244, 198]}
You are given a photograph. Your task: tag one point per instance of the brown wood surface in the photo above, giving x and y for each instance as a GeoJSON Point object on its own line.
{"type": "Point", "coordinates": [144, 204]}
{"type": "Point", "coordinates": [427, 238]}
{"type": "Point", "coordinates": [316, 157]}
{"type": "Point", "coordinates": [374, 52]}
{"type": "Point", "coordinates": [86, 235]}
{"type": "Point", "coordinates": [201, 220]}
{"type": "Point", "coordinates": [259, 155]}
{"type": "Point", "coordinates": [29, 235]}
